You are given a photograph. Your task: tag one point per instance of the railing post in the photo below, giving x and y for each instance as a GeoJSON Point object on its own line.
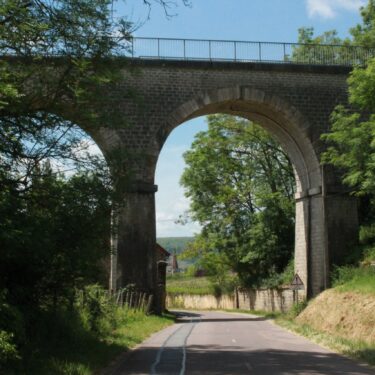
{"type": "Point", "coordinates": [313, 55]}
{"type": "Point", "coordinates": [308, 54]}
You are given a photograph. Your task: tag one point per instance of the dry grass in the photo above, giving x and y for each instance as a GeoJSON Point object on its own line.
{"type": "Point", "coordinates": [349, 315]}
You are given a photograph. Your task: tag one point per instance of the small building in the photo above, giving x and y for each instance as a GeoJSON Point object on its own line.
{"type": "Point", "coordinates": [162, 256]}
{"type": "Point", "coordinates": [173, 265]}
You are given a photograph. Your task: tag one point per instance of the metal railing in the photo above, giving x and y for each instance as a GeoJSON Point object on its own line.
{"type": "Point", "coordinates": [242, 51]}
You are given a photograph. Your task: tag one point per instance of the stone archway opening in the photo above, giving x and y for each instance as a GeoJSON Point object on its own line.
{"type": "Point", "coordinates": [290, 129]}
{"type": "Point", "coordinates": [170, 203]}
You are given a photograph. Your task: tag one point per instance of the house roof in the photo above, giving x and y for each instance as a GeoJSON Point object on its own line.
{"type": "Point", "coordinates": [162, 251]}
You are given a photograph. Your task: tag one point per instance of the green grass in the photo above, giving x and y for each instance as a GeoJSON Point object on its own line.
{"type": "Point", "coordinates": [351, 279]}
{"type": "Point", "coordinates": [181, 284]}
{"type": "Point", "coordinates": [140, 327]}
{"type": "Point", "coordinates": [357, 350]}
{"type": "Point", "coordinates": [61, 345]}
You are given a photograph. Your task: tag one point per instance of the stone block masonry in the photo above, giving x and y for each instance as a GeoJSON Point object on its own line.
{"type": "Point", "coordinates": [292, 102]}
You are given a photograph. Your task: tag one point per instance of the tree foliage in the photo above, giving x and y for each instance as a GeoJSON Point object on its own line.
{"type": "Point", "coordinates": [351, 140]}
{"type": "Point", "coordinates": [57, 56]}
{"type": "Point", "coordinates": [327, 48]}
{"type": "Point", "coordinates": [241, 187]}
{"type": "Point", "coordinates": [364, 34]}
{"type": "Point", "coordinates": [53, 237]}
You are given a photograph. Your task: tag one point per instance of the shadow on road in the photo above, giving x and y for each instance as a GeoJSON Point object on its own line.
{"type": "Point", "coordinates": [236, 360]}
{"type": "Point", "coordinates": [184, 316]}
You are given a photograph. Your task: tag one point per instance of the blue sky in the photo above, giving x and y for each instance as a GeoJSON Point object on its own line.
{"type": "Point", "coordinates": [253, 20]}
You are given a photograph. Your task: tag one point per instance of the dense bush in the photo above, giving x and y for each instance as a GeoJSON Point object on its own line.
{"type": "Point", "coordinates": [351, 278]}
{"type": "Point", "coordinates": [43, 337]}
{"type": "Point", "coordinates": [8, 349]}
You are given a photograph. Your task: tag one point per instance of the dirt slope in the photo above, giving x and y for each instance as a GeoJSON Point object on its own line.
{"type": "Point", "coordinates": [347, 314]}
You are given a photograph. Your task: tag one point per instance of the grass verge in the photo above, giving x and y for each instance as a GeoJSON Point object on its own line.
{"type": "Point", "coordinates": [358, 350]}
{"type": "Point", "coordinates": [355, 349]}
{"type": "Point", "coordinates": [61, 345]}
{"type": "Point", "coordinates": [355, 279]}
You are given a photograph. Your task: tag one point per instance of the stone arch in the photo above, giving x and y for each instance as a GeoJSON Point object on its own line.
{"type": "Point", "coordinates": [283, 121]}
{"type": "Point", "coordinates": [291, 129]}
{"type": "Point", "coordinates": [293, 102]}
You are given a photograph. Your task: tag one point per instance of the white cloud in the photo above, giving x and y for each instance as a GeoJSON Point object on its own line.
{"type": "Point", "coordinates": [170, 211]}
{"type": "Point", "coordinates": [88, 146]}
{"type": "Point", "coordinates": [331, 8]}
{"type": "Point", "coordinates": [170, 199]}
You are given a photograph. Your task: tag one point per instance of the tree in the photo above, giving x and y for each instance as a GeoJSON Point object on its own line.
{"type": "Point", "coordinates": [364, 34]}
{"type": "Point", "coordinates": [53, 238]}
{"type": "Point", "coordinates": [35, 84]}
{"type": "Point", "coordinates": [241, 187]}
{"type": "Point", "coordinates": [54, 230]}
{"type": "Point", "coordinates": [327, 48]}
{"type": "Point", "coordinates": [351, 139]}
{"type": "Point", "coordinates": [58, 55]}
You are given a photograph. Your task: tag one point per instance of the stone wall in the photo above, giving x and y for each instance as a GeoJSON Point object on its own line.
{"type": "Point", "coordinates": [200, 302]}
{"type": "Point", "coordinates": [267, 299]}
{"type": "Point", "coordinates": [258, 300]}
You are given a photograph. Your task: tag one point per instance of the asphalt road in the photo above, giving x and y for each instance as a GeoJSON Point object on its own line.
{"type": "Point", "coordinates": [217, 343]}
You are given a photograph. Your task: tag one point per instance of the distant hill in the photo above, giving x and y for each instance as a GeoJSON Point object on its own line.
{"type": "Point", "coordinates": [174, 244]}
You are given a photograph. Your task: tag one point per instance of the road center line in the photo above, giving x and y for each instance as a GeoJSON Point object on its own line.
{"type": "Point", "coordinates": [153, 368]}
{"type": "Point", "coordinates": [161, 349]}
{"type": "Point", "coordinates": [248, 366]}
{"type": "Point", "coordinates": [183, 363]}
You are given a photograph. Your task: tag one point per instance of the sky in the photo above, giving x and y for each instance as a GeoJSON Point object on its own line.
{"type": "Point", "coordinates": [246, 20]}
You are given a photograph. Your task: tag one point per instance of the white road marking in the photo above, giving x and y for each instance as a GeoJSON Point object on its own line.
{"type": "Point", "coordinates": [153, 370]}
{"type": "Point", "coordinates": [183, 363]}
{"type": "Point", "coordinates": [248, 366]}
{"type": "Point", "coordinates": [160, 352]}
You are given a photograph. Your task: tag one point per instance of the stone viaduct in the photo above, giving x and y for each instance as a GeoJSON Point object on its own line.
{"type": "Point", "coordinates": [293, 102]}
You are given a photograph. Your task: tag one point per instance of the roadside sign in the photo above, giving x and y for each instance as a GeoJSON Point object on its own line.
{"type": "Point", "coordinates": [297, 283]}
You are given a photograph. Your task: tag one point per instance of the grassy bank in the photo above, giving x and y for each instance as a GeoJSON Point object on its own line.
{"type": "Point", "coordinates": [342, 318]}
{"type": "Point", "coordinates": [64, 347]}
{"type": "Point", "coordinates": [355, 279]}
{"type": "Point", "coordinates": [355, 349]}
{"type": "Point", "coordinates": [75, 339]}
